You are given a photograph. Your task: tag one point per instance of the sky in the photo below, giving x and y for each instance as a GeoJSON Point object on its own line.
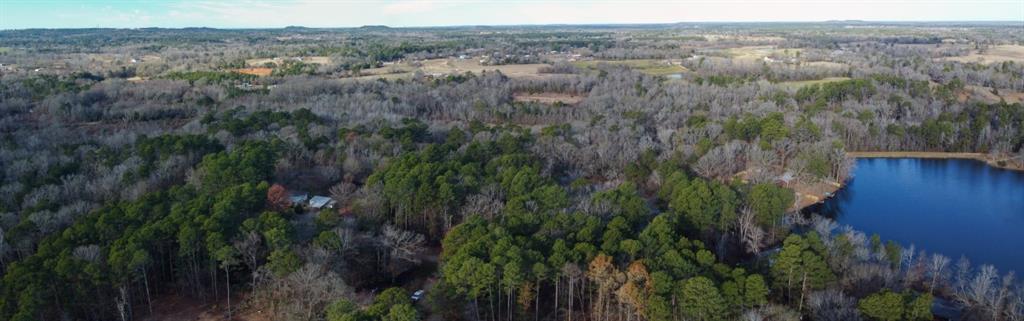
{"type": "Point", "coordinates": [21, 14]}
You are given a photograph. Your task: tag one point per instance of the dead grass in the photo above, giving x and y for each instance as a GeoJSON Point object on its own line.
{"type": "Point", "coordinates": [442, 67]}
{"type": "Point", "coordinates": [258, 71]}
{"type": "Point", "coordinates": [741, 38]}
{"type": "Point", "coordinates": [806, 193]}
{"type": "Point", "coordinates": [980, 93]}
{"type": "Point", "coordinates": [260, 62]}
{"type": "Point", "coordinates": [825, 64]}
{"type": "Point", "coordinates": [759, 52]}
{"type": "Point", "coordinates": [985, 94]}
{"type": "Point", "coordinates": [810, 193]}
{"type": "Point", "coordinates": [1013, 97]}
{"type": "Point", "coordinates": [548, 98]}
{"type": "Point", "coordinates": [653, 67]}
{"type": "Point", "coordinates": [800, 83]}
{"type": "Point", "coordinates": [995, 54]}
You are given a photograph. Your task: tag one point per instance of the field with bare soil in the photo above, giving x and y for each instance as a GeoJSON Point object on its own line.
{"type": "Point", "coordinates": [257, 71]}
{"type": "Point", "coordinates": [548, 98]}
{"type": "Point", "coordinates": [260, 62]}
{"type": "Point", "coordinates": [995, 54]}
{"type": "Point", "coordinates": [441, 67]}
{"type": "Point", "coordinates": [654, 67]}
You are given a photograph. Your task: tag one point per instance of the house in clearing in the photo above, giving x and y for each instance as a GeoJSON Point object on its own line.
{"type": "Point", "coordinates": [321, 202]}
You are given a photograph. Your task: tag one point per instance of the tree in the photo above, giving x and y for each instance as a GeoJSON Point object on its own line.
{"type": "Point", "coordinates": [920, 308]}
{"type": "Point", "coordinates": [402, 246]}
{"type": "Point", "coordinates": [604, 275]}
{"type": "Point", "coordinates": [756, 292]}
{"type": "Point", "coordinates": [832, 305]}
{"type": "Point", "coordinates": [798, 267]}
{"type": "Point", "coordinates": [283, 261]}
{"type": "Point", "coordinates": [401, 312]}
{"type": "Point", "coordinates": [937, 270]}
{"type": "Point", "coordinates": [700, 300]}
{"type": "Point", "coordinates": [883, 306]}
{"type": "Point", "coordinates": [140, 262]}
{"type": "Point", "coordinates": [386, 300]}
{"type": "Point", "coordinates": [228, 257]}
{"type": "Point", "coordinates": [248, 247]}
{"type": "Point", "coordinates": [342, 310]}
{"type": "Point", "coordinates": [751, 235]}
{"type": "Point", "coordinates": [277, 198]}
{"type": "Point", "coordinates": [658, 308]}
{"type": "Point", "coordinates": [769, 202]}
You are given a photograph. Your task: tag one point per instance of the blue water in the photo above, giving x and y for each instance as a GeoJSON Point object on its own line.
{"type": "Point", "coordinates": [950, 206]}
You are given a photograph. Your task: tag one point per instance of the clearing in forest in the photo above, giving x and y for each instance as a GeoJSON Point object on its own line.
{"type": "Point", "coordinates": [258, 71]}
{"type": "Point", "coordinates": [995, 54]}
{"type": "Point", "coordinates": [548, 98]}
{"type": "Point", "coordinates": [654, 67]}
{"type": "Point", "coordinates": [759, 52]}
{"type": "Point", "coordinates": [796, 84]}
{"type": "Point", "coordinates": [1013, 97]}
{"type": "Point", "coordinates": [260, 62]}
{"type": "Point", "coordinates": [450, 66]}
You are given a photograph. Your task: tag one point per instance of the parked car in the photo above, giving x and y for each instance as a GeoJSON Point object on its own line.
{"type": "Point", "coordinates": [416, 296]}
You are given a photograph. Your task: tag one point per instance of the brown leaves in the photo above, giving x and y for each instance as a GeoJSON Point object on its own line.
{"type": "Point", "coordinates": [277, 198]}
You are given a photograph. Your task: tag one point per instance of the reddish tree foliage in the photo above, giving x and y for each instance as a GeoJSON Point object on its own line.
{"type": "Point", "coordinates": [277, 198]}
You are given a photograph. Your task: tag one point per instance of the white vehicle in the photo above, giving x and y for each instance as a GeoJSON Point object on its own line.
{"type": "Point", "coordinates": [416, 296]}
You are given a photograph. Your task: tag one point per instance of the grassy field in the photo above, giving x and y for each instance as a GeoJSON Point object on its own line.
{"type": "Point", "coordinates": [759, 52]}
{"type": "Point", "coordinates": [653, 67]}
{"type": "Point", "coordinates": [257, 71]}
{"type": "Point", "coordinates": [448, 67]}
{"type": "Point", "coordinates": [4, 50]}
{"type": "Point", "coordinates": [994, 55]}
{"type": "Point", "coordinates": [260, 62]}
{"type": "Point", "coordinates": [548, 98]}
{"type": "Point", "coordinates": [800, 83]}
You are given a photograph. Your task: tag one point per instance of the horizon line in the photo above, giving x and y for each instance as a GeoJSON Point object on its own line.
{"type": "Point", "coordinates": [1021, 23]}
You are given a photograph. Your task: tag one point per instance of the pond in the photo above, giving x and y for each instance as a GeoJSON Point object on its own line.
{"type": "Point", "coordinates": [956, 207]}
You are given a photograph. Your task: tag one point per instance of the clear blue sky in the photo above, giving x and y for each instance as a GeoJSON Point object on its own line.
{"type": "Point", "coordinates": [18, 14]}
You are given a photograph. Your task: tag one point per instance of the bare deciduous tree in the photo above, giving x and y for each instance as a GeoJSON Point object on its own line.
{"type": "Point", "coordinates": [832, 305]}
{"type": "Point", "coordinates": [751, 235]}
{"type": "Point", "coordinates": [937, 271]}
{"type": "Point", "coordinates": [248, 246]}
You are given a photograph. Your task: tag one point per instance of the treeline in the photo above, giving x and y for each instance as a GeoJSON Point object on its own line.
{"type": "Point", "coordinates": [114, 258]}
{"type": "Point", "coordinates": [612, 252]}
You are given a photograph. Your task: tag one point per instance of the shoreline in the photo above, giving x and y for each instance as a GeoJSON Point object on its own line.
{"type": "Point", "coordinates": [805, 199]}
{"type": "Point", "coordinates": [982, 157]}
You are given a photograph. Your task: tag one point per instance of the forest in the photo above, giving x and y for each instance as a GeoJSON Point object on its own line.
{"type": "Point", "coordinates": [601, 173]}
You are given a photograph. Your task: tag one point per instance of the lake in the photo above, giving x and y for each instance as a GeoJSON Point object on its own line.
{"type": "Point", "coordinates": [950, 206]}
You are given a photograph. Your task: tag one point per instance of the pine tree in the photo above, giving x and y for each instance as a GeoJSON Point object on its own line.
{"type": "Point", "coordinates": [700, 300]}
